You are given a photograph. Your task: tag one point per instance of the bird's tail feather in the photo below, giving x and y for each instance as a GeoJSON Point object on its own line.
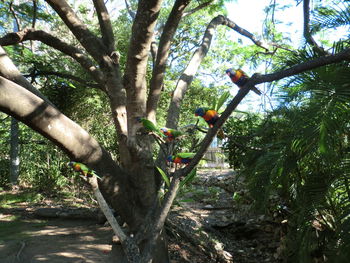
{"type": "Point", "coordinates": [255, 89]}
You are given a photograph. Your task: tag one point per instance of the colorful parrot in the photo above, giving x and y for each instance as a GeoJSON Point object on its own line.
{"type": "Point", "coordinates": [171, 134]}
{"type": "Point", "coordinates": [83, 169]}
{"type": "Point", "coordinates": [181, 158]}
{"type": "Point", "coordinates": [240, 78]}
{"type": "Point", "coordinates": [150, 126]}
{"type": "Point", "coordinates": [210, 116]}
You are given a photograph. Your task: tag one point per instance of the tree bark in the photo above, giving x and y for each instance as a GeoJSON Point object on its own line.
{"type": "Point", "coordinates": [136, 65]}
{"type": "Point", "coordinates": [162, 56]}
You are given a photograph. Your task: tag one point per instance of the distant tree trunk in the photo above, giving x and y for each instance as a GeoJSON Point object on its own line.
{"type": "Point", "coordinates": [14, 145]}
{"type": "Point", "coordinates": [14, 152]}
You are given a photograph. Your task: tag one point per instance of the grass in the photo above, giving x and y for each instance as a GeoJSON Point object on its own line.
{"type": "Point", "coordinates": [14, 228]}
{"type": "Point", "coordinates": [8, 200]}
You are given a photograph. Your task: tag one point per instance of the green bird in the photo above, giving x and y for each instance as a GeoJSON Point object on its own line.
{"type": "Point", "coordinates": [83, 169]}
{"type": "Point", "coordinates": [150, 126]}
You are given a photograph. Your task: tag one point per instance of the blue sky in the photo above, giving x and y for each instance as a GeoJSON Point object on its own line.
{"type": "Point", "coordinates": [250, 15]}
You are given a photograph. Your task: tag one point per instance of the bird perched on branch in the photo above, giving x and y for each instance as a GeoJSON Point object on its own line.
{"type": "Point", "coordinates": [171, 134]}
{"type": "Point", "coordinates": [181, 158]}
{"type": "Point", "coordinates": [83, 169]}
{"type": "Point", "coordinates": [210, 116]}
{"type": "Point", "coordinates": [240, 78]}
{"type": "Point", "coordinates": [149, 126]}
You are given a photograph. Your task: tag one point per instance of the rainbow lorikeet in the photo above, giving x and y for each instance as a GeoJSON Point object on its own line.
{"type": "Point", "coordinates": [83, 169]}
{"type": "Point", "coordinates": [150, 126]}
{"type": "Point", "coordinates": [240, 78]}
{"type": "Point", "coordinates": [181, 158]}
{"type": "Point", "coordinates": [210, 116]}
{"type": "Point", "coordinates": [171, 134]}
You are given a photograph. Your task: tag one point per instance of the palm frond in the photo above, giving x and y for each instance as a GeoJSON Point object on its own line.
{"type": "Point", "coordinates": [331, 16]}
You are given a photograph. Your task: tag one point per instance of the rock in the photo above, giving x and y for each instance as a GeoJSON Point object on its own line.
{"type": "Point", "coordinates": [208, 207]}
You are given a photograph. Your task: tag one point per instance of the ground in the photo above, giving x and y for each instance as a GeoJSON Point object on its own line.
{"type": "Point", "coordinates": [210, 221]}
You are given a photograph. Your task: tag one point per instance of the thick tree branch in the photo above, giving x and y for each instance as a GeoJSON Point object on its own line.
{"type": "Point", "coordinates": [162, 56]}
{"type": "Point", "coordinates": [305, 66]}
{"type": "Point", "coordinates": [307, 33]}
{"type": "Point", "coordinates": [87, 39]}
{"type": "Point", "coordinates": [9, 71]}
{"type": "Point", "coordinates": [105, 25]}
{"type": "Point", "coordinates": [136, 65]}
{"type": "Point", "coordinates": [56, 43]}
{"type": "Point", "coordinates": [47, 120]}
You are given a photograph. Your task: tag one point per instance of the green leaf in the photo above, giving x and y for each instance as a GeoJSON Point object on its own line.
{"type": "Point", "coordinates": [322, 144]}
{"type": "Point", "coordinates": [70, 84]}
{"type": "Point", "coordinates": [223, 98]}
{"type": "Point", "coordinates": [213, 106]}
{"type": "Point", "coordinates": [189, 178]}
{"type": "Point", "coordinates": [165, 177]}
{"type": "Point", "coordinates": [236, 196]}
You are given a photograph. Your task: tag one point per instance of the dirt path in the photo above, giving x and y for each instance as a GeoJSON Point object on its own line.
{"type": "Point", "coordinates": [207, 209]}
{"type": "Point", "coordinates": [55, 240]}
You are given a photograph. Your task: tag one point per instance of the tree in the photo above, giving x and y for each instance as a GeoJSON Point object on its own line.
{"type": "Point", "coordinates": [130, 185]}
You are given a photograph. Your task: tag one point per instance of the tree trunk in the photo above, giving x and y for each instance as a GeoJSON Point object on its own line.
{"type": "Point", "coordinates": [14, 152]}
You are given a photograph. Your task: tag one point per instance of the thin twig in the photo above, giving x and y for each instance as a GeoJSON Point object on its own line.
{"type": "Point", "coordinates": [20, 250]}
